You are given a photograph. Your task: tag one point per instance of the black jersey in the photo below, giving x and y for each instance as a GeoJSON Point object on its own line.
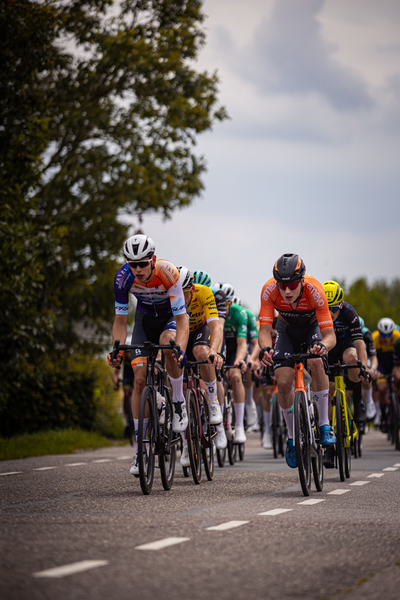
{"type": "Point", "coordinates": [220, 301]}
{"type": "Point", "coordinates": [347, 325]}
{"type": "Point", "coordinates": [396, 352]}
{"type": "Point", "coordinates": [369, 342]}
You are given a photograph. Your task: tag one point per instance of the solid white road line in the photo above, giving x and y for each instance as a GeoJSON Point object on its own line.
{"type": "Point", "coordinates": [10, 473]}
{"type": "Point", "coordinates": [390, 469]}
{"type": "Point", "coordinates": [44, 468]}
{"type": "Point", "coordinates": [360, 482]}
{"type": "Point", "coordinates": [275, 511]}
{"type": "Point", "coordinates": [311, 501]}
{"type": "Point", "coordinates": [77, 567]}
{"type": "Point", "coordinates": [376, 475]}
{"type": "Point", "coordinates": [338, 492]}
{"type": "Point", "coordinates": [161, 544]}
{"type": "Point", "coordinates": [227, 525]}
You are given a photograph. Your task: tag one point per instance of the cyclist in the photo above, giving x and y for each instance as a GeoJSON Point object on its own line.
{"type": "Point", "coordinates": [236, 351]}
{"type": "Point", "coordinates": [384, 339]}
{"type": "Point", "coordinates": [253, 365]}
{"type": "Point", "coordinates": [160, 315]}
{"type": "Point", "coordinates": [204, 278]}
{"type": "Point", "coordinates": [370, 409]}
{"type": "Point", "coordinates": [127, 385]}
{"type": "Point", "coordinates": [204, 340]}
{"type": "Point", "coordinates": [304, 318]}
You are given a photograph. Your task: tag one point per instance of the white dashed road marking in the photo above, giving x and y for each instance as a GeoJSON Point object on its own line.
{"type": "Point", "coordinates": [311, 501]}
{"type": "Point", "coordinates": [77, 567]}
{"type": "Point", "coordinates": [75, 464]}
{"type": "Point", "coordinates": [275, 511]}
{"type": "Point", "coordinates": [44, 468]}
{"type": "Point", "coordinates": [11, 473]}
{"type": "Point", "coordinates": [397, 465]}
{"type": "Point", "coordinates": [376, 475]}
{"type": "Point", "coordinates": [337, 492]}
{"type": "Point", "coordinates": [165, 543]}
{"type": "Point", "coordinates": [390, 469]}
{"type": "Point", "coordinates": [124, 458]}
{"type": "Point", "coordinates": [227, 525]}
{"type": "Point", "coordinates": [101, 460]}
{"type": "Point", "coordinates": [360, 482]}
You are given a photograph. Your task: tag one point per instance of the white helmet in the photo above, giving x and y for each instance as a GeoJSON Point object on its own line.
{"type": "Point", "coordinates": [237, 300]}
{"type": "Point", "coordinates": [386, 326]}
{"type": "Point", "coordinates": [229, 291]}
{"type": "Point", "coordinates": [186, 278]}
{"type": "Point", "coordinates": [139, 247]}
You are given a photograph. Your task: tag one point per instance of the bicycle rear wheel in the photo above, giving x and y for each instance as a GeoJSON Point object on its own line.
{"type": "Point", "coordinates": [317, 462]}
{"type": "Point", "coordinates": [207, 448]}
{"type": "Point", "coordinates": [231, 424]}
{"type": "Point", "coordinates": [302, 442]}
{"type": "Point", "coordinates": [340, 435]}
{"type": "Point", "coordinates": [395, 420]}
{"type": "Point", "coordinates": [146, 441]}
{"type": "Point", "coordinates": [193, 436]}
{"type": "Point", "coordinates": [275, 425]}
{"type": "Point", "coordinates": [169, 440]}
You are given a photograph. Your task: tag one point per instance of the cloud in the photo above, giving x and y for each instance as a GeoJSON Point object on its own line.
{"type": "Point", "coordinates": [289, 55]}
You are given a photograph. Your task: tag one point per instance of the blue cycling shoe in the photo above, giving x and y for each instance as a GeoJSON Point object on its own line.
{"type": "Point", "coordinates": [291, 458]}
{"type": "Point", "coordinates": [328, 438]}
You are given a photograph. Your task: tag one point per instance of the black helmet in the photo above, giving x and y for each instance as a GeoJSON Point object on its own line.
{"type": "Point", "coordinates": [289, 267]}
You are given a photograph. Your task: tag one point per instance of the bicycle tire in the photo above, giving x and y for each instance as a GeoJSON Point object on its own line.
{"type": "Point", "coordinates": [241, 449]}
{"type": "Point", "coordinates": [231, 446]}
{"type": "Point", "coordinates": [347, 449]}
{"type": "Point", "coordinates": [302, 442]}
{"type": "Point", "coordinates": [317, 463]}
{"type": "Point", "coordinates": [146, 446]}
{"type": "Point", "coordinates": [167, 461]}
{"type": "Point", "coordinates": [221, 452]}
{"type": "Point", "coordinates": [396, 419]}
{"type": "Point", "coordinates": [207, 448]}
{"type": "Point", "coordinates": [275, 425]}
{"type": "Point", "coordinates": [193, 436]}
{"type": "Point", "coordinates": [339, 435]}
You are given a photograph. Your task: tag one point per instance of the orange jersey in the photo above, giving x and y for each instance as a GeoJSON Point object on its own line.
{"type": "Point", "coordinates": [311, 305]}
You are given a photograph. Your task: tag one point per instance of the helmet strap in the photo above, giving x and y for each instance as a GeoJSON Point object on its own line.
{"type": "Point", "coordinates": [300, 295]}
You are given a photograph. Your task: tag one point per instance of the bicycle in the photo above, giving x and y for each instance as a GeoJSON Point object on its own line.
{"type": "Point", "coordinates": [199, 433]}
{"type": "Point", "coordinates": [159, 439]}
{"type": "Point", "coordinates": [343, 424]}
{"type": "Point", "coordinates": [306, 431]}
{"type": "Point", "coordinates": [394, 416]}
{"type": "Point", "coordinates": [276, 420]}
{"type": "Point", "coordinates": [235, 451]}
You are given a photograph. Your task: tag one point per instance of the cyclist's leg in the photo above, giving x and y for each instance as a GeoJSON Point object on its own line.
{"type": "Point", "coordinates": [201, 349]}
{"type": "Point", "coordinates": [235, 377]}
{"type": "Point", "coordinates": [354, 384]}
{"type": "Point", "coordinates": [267, 390]}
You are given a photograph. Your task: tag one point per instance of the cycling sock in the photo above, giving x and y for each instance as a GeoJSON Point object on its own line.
{"type": "Point", "coordinates": [177, 389]}
{"type": "Point", "coordinates": [368, 395]}
{"type": "Point", "coordinates": [239, 414]}
{"type": "Point", "coordinates": [267, 424]}
{"type": "Point", "coordinates": [211, 387]}
{"type": "Point", "coordinates": [288, 416]}
{"type": "Point", "coordinates": [356, 388]}
{"type": "Point", "coordinates": [321, 399]}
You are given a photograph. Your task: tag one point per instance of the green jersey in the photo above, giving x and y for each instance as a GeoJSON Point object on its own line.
{"type": "Point", "coordinates": [252, 331]}
{"type": "Point", "coordinates": [236, 323]}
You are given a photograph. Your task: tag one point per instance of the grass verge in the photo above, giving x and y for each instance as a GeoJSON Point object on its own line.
{"type": "Point", "coordinates": [63, 441]}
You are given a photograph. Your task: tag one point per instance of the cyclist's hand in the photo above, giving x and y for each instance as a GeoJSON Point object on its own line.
{"type": "Point", "coordinates": [182, 360]}
{"type": "Point", "coordinates": [241, 364]}
{"type": "Point", "coordinates": [265, 356]}
{"type": "Point", "coordinates": [116, 363]}
{"type": "Point", "coordinates": [317, 348]}
{"type": "Point", "coordinates": [374, 374]}
{"type": "Point", "coordinates": [217, 361]}
{"type": "Point", "coordinates": [255, 366]}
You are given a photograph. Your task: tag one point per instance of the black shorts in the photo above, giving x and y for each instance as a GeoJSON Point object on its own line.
{"type": "Point", "coordinates": [127, 374]}
{"type": "Point", "coordinates": [335, 355]}
{"type": "Point", "coordinates": [231, 349]}
{"type": "Point", "coordinates": [292, 340]}
{"type": "Point", "coordinates": [149, 328]}
{"type": "Point", "coordinates": [200, 337]}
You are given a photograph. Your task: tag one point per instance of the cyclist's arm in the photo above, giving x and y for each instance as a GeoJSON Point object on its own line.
{"type": "Point", "coordinates": [265, 341]}
{"type": "Point", "coordinates": [253, 358]}
{"type": "Point", "coordinates": [182, 330]}
{"type": "Point", "coordinates": [361, 351]}
{"type": "Point", "coordinates": [328, 338]}
{"type": "Point", "coordinates": [215, 341]}
{"type": "Point", "coordinates": [120, 328]}
{"type": "Point", "coordinates": [241, 350]}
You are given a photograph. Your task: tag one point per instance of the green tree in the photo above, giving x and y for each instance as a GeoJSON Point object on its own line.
{"type": "Point", "coordinates": [99, 113]}
{"type": "Point", "coordinates": [372, 302]}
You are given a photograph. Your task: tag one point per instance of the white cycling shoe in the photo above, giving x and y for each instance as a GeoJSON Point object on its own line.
{"type": "Point", "coordinates": [185, 459]}
{"type": "Point", "coordinates": [134, 470]}
{"type": "Point", "coordinates": [215, 413]}
{"type": "Point", "coordinates": [180, 418]}
{"type": "Point", "coordinates": [220, 439]}
{"type": "Point", "coordinates": [267, 441]}
{"type": "Point", "coordinates": [240, 436]}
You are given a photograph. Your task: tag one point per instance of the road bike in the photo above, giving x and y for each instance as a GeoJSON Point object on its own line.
{"type": "Point", "coordinates": [158, 438]}
{"type": "Point", "coordinates": [394, 416]}
{"type": "Point", "coordinates": [277, 422]}
{"type": "Point", "coordinates": [199, 433]}
{"type": "Point", "coordinates": [235, 451]}
{"type": "Point", "coordinates": [306, 431]}
{"type": "Point", "coordinates": [342, 421]}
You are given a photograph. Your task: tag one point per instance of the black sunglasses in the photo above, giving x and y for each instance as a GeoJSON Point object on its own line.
{"type": "Point", "coordinates": [142, 264]}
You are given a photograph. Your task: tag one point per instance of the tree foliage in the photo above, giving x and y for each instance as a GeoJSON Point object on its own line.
{"type": "Point", "coordinates": [100, 106]}
{"type": "Point", "coordinates": [372, 302]}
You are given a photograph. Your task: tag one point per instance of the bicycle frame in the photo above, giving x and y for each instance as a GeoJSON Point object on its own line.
{"type": "Point", "coordinates": [351, 428]}
{"type": "Point", "coordinates": [303, 384]}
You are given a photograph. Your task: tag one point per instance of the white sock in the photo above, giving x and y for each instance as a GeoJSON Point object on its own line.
{"type": "Point", "coordinates": [368, 396]}
{"type": "Point", "coordinates": [267, 424]}
{"type": "Point", "coordinates": [177, 389]}
{"type": "Point", "coordinates": [239, 413]}
{"type": "Point", "coordinates": [288, 416]}
{"type": "Point", "coordinates": [211, 390]}
{"type": "Point", "coordinates": [321, 399]}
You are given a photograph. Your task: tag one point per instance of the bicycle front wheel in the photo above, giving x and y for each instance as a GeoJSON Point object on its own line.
{"type": "Point", "coordinates": [146, 440]}
{"type": "Point", "coordinates": [275, 425]}
{"type": "Point", "coordinates": [340, 435]}
{"type": "Point", "coordinates": [193, 436]}
{"type": "Point", "coordinates": [167, 458]}
{"type": "Point", "coordinates": [395, 420]}
{"type": "Point", "coordinates": [317, 462]}
{"type": "Point", "coordinates": [231, 425]}
{"type": "Point", "coordinates": [207, 448]}
{"type": "Point", "coordinates": [302, 442]}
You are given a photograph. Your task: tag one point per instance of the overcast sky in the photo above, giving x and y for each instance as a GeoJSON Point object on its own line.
{"type": "Point", "coordinates": [309, 162]}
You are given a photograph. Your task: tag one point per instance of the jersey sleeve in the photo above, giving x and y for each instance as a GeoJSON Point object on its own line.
{"type": "Point", "coordinates": [269, 294]}
{"type": "Point", "coordinates": [220, 300]}
{"type": "Point", "coordinates": [122, 284]}
{"type": "Point", "coordinates": [252, 326]}
{"type": "Point", "coordinates": [241, 324]}
{"type": "Point", "coordinates": [353, 323]}
{"type": "Point", "coordinates": [207, 299]}
{"type": "Point", "coordinates": [317, 299]}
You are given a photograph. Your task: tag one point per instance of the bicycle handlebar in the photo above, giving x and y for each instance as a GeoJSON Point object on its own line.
{"type": "Point", "coordinates": [358, 365]}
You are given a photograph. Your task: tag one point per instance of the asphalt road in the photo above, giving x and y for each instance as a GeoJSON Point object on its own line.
{"type": "Point", "coordinates": [78, 527]}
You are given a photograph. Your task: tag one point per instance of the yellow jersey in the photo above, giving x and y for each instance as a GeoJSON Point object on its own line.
{"type": "Point", "coordinates": [202, 307]}
{"type": "Point", "coordinates": [380, 346]}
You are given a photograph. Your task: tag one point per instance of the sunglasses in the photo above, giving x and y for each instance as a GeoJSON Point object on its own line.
{"type": "Point", "coordinates": [334, 309]}
{"type": "Point", "coordinates": [142, 264]}
{"type": "Point", "coordinates": [292, 285]}
{"type": "Point", "coordinates": [386, 335]}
